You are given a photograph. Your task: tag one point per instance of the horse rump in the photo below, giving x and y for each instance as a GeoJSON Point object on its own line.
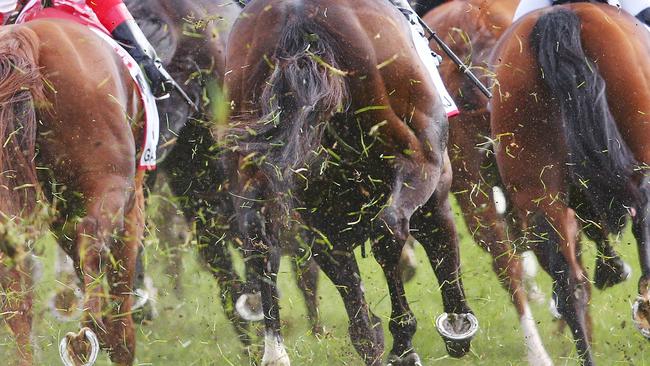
{"type": "Point", "coordinates": [21, 88]}
{"type": "Point", "coordinates": [304, 89]}
{"type": "Point", "coordinates": [600, 164]}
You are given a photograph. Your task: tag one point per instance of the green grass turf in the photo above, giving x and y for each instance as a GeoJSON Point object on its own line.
{"type": "Point", "coordinates": [192, 330]}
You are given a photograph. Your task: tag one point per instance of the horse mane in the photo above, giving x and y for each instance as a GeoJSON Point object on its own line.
{"type": "Point", "coordinates": [598, 155]}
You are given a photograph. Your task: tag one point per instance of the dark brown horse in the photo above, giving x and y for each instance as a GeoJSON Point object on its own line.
{"type": "Point", "coordinates": [68, 103]}
{"type": "Point", "coordinates": [335, 117]}
{"type": "Point", "coordinates": [191, 36]}
{"type": "Point", "coordinates": [570, 122]}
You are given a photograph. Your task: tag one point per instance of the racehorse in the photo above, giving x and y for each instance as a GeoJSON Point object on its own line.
{"type": "Point", "coordinates": [191, 37]}
{"type": "Point", "coordinates": [71, 108]}
{"type": "Point", "coordinates": [334, 117]}
{"type": "Point", "coordinates": [578, 73]}
{"type": "Point", "coordinates": [472, 28]}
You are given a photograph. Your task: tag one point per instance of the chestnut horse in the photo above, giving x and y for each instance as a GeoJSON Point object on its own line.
{"type": "Point", "coordinates": [70, 107]}
{"type": "Point", "coordinates": [570, 121]}
{"type": "Point", "coordinates": [335, 117]}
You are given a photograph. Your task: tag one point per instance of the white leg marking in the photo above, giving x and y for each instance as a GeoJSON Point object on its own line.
{"type": "Point", "coordinates": [537, 355]}
{"type": "Point", "coordinates": [499, 198]}
{"type": "Point", "coordinates": [274, 352]}
{"type": "Point", "coordinates": [530, 267]}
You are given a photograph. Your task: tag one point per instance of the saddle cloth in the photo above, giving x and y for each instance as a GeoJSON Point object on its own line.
{"type": "Point", "coordinates": [79, 12]}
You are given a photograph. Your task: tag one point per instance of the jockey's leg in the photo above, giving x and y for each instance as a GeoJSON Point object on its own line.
{"type": "Point", "coordinates": [114, 15]}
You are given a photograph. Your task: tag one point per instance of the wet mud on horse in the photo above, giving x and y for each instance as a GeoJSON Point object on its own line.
{"type": "Point", "coordinates": [327, 124]}
{"type": "Point", "coordinates": [579, 73]}
{"type": "Point", "coordinates": [70, 108]}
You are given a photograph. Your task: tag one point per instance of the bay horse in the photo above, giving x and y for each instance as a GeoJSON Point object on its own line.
{"type": "Point", "coordinates": [334, 117]}
{"type": "Point", "coordinates": [570, 123]}
{"type": "Point", "coordinates": [191, 37]}
{"type": "Point", "coordinates": [70, 111]}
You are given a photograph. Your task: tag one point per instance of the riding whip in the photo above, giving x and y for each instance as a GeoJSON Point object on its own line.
{"type": "Point", "coordinates": [464, 68]}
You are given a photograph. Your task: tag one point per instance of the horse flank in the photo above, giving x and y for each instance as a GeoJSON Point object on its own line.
{"type": "Point", "coordinates": [304, 90]}
{"type": "Point", "coordinates": [598, 155]}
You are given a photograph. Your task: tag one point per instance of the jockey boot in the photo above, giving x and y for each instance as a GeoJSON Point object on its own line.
{"type": "Point", "coordinates": [130, 36]}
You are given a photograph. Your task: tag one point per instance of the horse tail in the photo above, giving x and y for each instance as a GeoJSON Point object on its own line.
{"type": "Point", "coordinates": [600, 165]}
{"type": "Point", "coordinates": [305, 88]}
{"type": "Point", "coordinates": [21, 87]}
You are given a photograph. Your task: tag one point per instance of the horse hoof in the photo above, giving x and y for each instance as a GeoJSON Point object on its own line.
{"type": "Point", "coordinates": [67, 304]}
{"type": "Point", "coordinates": [641, 316]}
{"type": "Point", "coordinates": [611, 271]}
{"type": "Point", "coordinates": [457, 330]}
{"type": "Point", "coordinates": [79, 349]}
{"type": "Point", "coordinates": [249, 307]}
{"type": "Point", "coordinates": [412, 359]}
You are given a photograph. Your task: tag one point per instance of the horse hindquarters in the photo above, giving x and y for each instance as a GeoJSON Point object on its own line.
{"type": "Point", "coordinates": [297, 101]}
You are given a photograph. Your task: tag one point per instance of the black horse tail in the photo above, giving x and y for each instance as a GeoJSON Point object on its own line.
{"type": "Point", "coordinates": [304, 90]}
{"type": "Point", "coordinates": [21, 87]}
{"type": "Point", "coordinates": [601, 165]}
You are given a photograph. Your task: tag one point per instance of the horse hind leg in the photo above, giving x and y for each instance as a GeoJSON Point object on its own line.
{"type": "Point", "coordinates": [435, 230]}
{"type": "Point", "coordinates": [488, 230]}
{"type": "Point", "coordinates": [402, 324]}
{"type": "Point", "coordinates": [365, 328]}
{"type": "Point", "coordinates": [571, 287]}
{"type": "Point", "coordinates": [106, 203]}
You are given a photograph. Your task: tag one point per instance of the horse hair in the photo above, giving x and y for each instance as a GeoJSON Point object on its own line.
{"type": "Point", "coordinates": [298, 99]}
{"type": "Point", "coordinates": [598, 155]}
{"type": "Point", "coordinates": [21, 88]}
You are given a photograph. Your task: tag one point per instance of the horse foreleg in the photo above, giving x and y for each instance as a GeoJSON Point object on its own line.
{"type": "Point", "coordinates": [16, 300]}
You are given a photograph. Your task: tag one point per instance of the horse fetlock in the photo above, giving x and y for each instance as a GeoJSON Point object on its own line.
{"type": "Point", "coordinates": [411, 359]}
{"type": "Point", "coordinates": [641, 314]}
{"type": "Point", "coordinates": [249, 307]}
{"type": "Point", "coordinates": [274, 352]}
{"type": "Point", "coordinates": [396, 222]}
{"type": "Point", "coordinates": [611, 271]}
